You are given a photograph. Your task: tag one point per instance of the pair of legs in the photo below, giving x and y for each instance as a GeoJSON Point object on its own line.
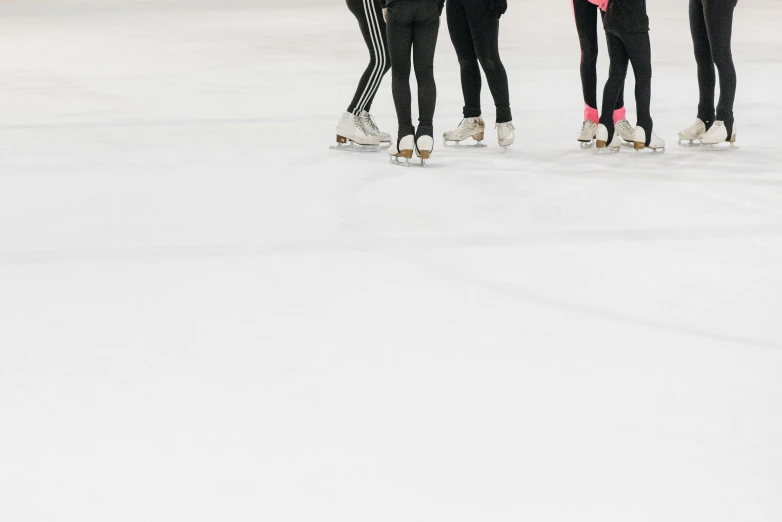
{"type": "Point", "coordinates": [412, 27]}
{"type": "Point", "coordinates": [586, 24]}
{"type": "Point", "coordinates": [369, 14]}
{"type": "Point", "coordinates": [475, 33]}
{"type": "Point", "coordinates": [711, 25]}
{"type": "Point", "coordinates": [623, 49]}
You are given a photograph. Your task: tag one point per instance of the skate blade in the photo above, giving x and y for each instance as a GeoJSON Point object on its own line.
{"type": "Point", "coordinates": [725, 146]}
{"type": "Point", "coordinates": [354, 147]}
{"type": "Point", "coordinates": [458, 145]}
{"type": "Point", "coordinates": [607, 150]}
{"type": "Point", "coordinates": [626, 143]}
{"type": "Point", "coordinates": [689, 144]}
{"type": "Point", "coordinates": [643, 150]}
{"type": "Point", "coordinates": [586, 144]}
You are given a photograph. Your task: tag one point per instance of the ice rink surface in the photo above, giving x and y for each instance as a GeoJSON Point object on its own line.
{"type": "Point", "coordinates": [206, 315]}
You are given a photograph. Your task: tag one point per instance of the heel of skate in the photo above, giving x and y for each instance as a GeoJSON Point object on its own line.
{"type": "Point", "coordinates": [478, 137]}
{"type": "Point", "coordinates": [341, 139]}
{"type": "Point", "coordinates": [600, 144]}
{"type": "Point", "coordinates": [639, 145]}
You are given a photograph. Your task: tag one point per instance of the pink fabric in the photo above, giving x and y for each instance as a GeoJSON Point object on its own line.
{"type": "Point", "coordinates": [590, 113]}
{"type": "Point", "coordinates": [602, 4]}
{"type": "Point", "coordinates": [620, 114]}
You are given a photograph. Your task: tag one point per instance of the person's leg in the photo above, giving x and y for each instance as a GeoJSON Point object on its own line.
{"type": "Point", "coordinates": [639, 51]}
{"type": "Point", "coordinates": [424, 44]}
{"type": "Point", "coordinates": [719, 24]}
{"type": "Point", "coordinates": [585, 13]}
{"type": "Point", "coordinates": [707, 79]}
{"type": "Point", "coordinates": [461, 38]}
{"type": "Point", "coordinates": [616, 80]}
{"type": "Point", "coordinates": [369, 15]}
{"type": "Point", "coordinates": [400, 41]}
{"type": "Point", "coordinates": [485, 29]}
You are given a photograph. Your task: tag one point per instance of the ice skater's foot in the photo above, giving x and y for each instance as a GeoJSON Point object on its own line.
{"type": "Point", "coordinates": [719, 133]}
{"type": "Point", "coordinates": [424, 146]}
{"type": "Point", "coordinates": [506, 134]}
{"type": "Point", "coordinates": [625, 131]}
{"type": "Point", "coordinates": [468, 128]}
{"type": "Point", "coordinates": [604, 144]}
{"type": "Point", "coordinates": [403, 149]}
{"type": "Point", "coordinates": [587, 134]}
{"type": "Point", "coordinates": [639, 141]}
{"type": "Point", "coordinates": [694, 132]}
{"type": "Point", "coordinates": [351, 135]}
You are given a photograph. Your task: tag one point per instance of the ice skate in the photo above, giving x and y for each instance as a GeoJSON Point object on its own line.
{"type": "Point", "coordinates": [402, 149]}
{"type": "Point", "coordinates": [423, 148]}
{"type": "Point", "coordinates": [587, 134]}
{"type": "Point", "coordinates": [716, 138]}
{"type": "Point", "coordinates": [656, 144]}
{"type": "Point", "coordinates": [353, 137]}
{"type": "Point", "coordinates": [506, 134]}
{"type": "Point", "coordinates": [468, 128]}
{"type": "Point", "coordinates": [370, 127]}
{"type": "Point", "coordinates": [694, 132]}
{"type": "Point", "coordinates": [601, 140]}
{"type": "Point", "coordinates": [625, 131]}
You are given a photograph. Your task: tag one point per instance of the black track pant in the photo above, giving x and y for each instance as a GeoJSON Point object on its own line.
{"type": "Point", "coordinates": [369, 14]}
{"type": "Point", "coordinates": [627, 48]}
{"type": "Point", "coordinates": [586, 25]}
{"type": "Point", "coordinates": [413, 26]}
{"type": "Point", "coordinates": [475, 33]}
{"type": "Point", "coordinates": [711, 24]}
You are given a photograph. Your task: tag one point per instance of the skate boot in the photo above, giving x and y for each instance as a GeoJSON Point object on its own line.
{"type": "Point", "coordinates": [718, 137]}
{"type": "Point", "coordinates": [639, 141]}
{"type": "Point", "coordinates": [625, 131]}
{"type": "Point", "coordinates": [468, 128]}
{"type": "Point", "coordinates": [423, 148]}
{"type": "Point", "coordinates": [587, 134]}
{"type": "Point", "coordinates": [506, 134]}
{"type": "Point", "coordinates": [351, 135]}
{"type": "Point", "coordinates": [601, 140]}
{"type": "Point", "coordinates": [403, 148]}
{"type": "Point", "coordinates": [692, 133]}
{"type": "Point", "coordinates": [370, 127]}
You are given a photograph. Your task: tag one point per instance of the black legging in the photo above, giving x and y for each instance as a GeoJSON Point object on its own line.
{"type": "Point", "coordinates": [634, 48]}
{"type": "Point", "coordinates": [711, 24]}
{"type": "Point", "coordinates": [413, 25]}
{"type": "Point", "coordinates": [586, 25]}
{"type": "Point", "coordinates": [475, 33]}
{"type": "Point", "coordinates": [369, 14]}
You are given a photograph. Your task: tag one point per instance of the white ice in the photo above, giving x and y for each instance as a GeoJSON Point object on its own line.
{"type": "Point", "coordinates": [206, 315]}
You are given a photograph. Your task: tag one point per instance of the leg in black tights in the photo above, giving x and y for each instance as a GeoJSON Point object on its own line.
{"type": "Point", "coordinates": [424, 45]}
{"type": "Point", "coordinates": [632, 48]}
{"type": "Point", "coordinates": [373, 28]}
{"type": "Point", "coordinates": [586, 24]}
{"type": "Point", "coordinates": [459, 29]}
{"type": "Point", "coordinates": [711, 25]}
{"type": "Point", "coordinates": [413, 26]}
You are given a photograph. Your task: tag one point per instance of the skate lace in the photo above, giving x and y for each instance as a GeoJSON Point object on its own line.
{"type": "Point", "coordinates": [357, 120]}
{"type": "Point", "coordinates": [369, 121]}
{"type": "Point", "coordinates": [587, 125]}
{"type": "Point", "coordinates": [696, 125]}
{"type": "Point", "coordinates": [625, 126]}
{"type": "Point", "coordinates": [467, 124]}
{"type": "Point", "coordinates": [504, 129]}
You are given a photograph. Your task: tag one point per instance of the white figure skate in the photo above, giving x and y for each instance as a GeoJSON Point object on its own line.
{"type": "Point", "coordinates": [587, 134]}
{"type": "Point", "coordinates": [625, 131]}
{"type": "Point", "coordinates": [656, 144]}
{"type": "Point", "coordinates": [601, 141]}
{"type": "Point", "coordinates": [403, 150]}
{"type": "Point", "coordinates": [370, 127]}
{"type": "Point", "coordinates": [694, 132]}
{"type": "Point", "coordinates": [351, 135]}
{"type": "Point", "coordinates": [423, 148]}
{"type": "Point", "coordinates": [506, 134]}
{"type": "Point", "coordinates": [468, 128]}
{"type": "Point", "coordinates": [717, 139]}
